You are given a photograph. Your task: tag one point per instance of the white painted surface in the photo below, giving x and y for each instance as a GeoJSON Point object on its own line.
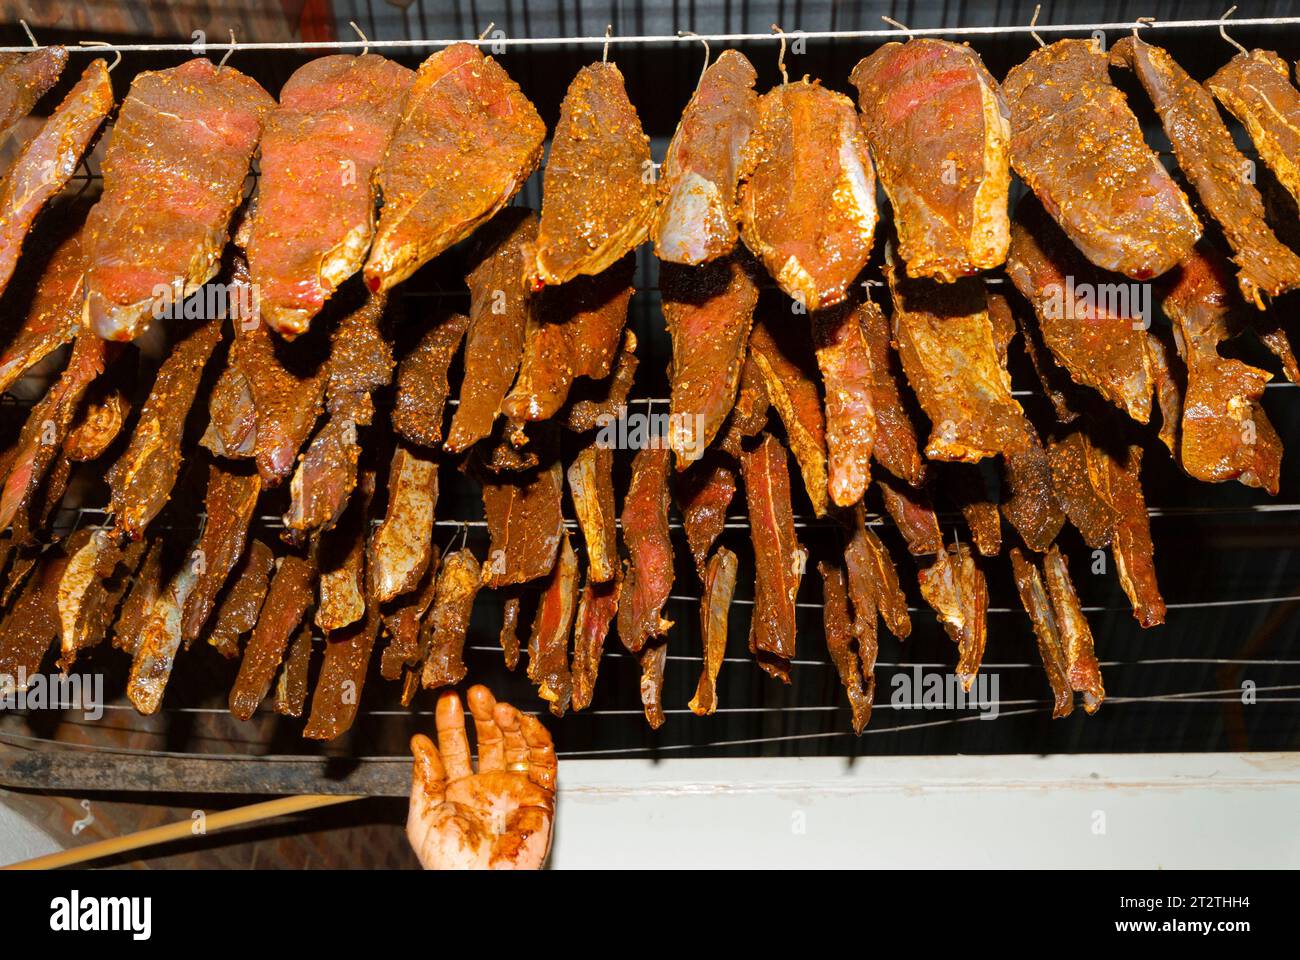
{"type": "Point", "coordinates": [20, 839]}
{"type": "Point", "coordinates": [1156, 810]}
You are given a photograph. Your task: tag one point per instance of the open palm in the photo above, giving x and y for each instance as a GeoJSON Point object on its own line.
{"type": "Point", "coordinates": [498, 818]}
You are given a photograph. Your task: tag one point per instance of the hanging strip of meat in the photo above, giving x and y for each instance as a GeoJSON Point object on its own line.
{"type": "Point", "coordinates": [913, 514]}
{"type": "Point", "coordinates": [342, 676]}
{"type": "Point", "coordinates": [845, 362]}
{"type": "Point", "coordinates": [315, 213]}
{"type": "Point", "coordinates": [598, 190]}
{"type": "Point", "coordinates": [1029, 584]}
{"type": "Point", "coordinates": [808, 200]}
{"type": "Point", "coordinates": [597, 608]}
{"type": "Point", "coordinates": [839, 643]}
{"type": "Point", "coordinates": [140, 598]}
{"type": "Point", "coordinates": [939, 131]}
{"type": "Point", "coordinates": [509, 636]}
{"type": "Point", "coordinates": [653, 660]}
{"type": "Point", "coordinates": [895, 447]}
{"type": "Point", "coordinates": [699, 184]}
{"type": "Point", "coordinates": [709, 311]}
{"type": "Point", "coordinates": [873, 584]}
{"type": "Point", "coordinates": [48, 161]}
{"type": "Point", "coordinates": [341, 556]}
{"type": "Point", "coordinates": [467, 140]}
{"type": "Point", "coordinates": [174, 173]}
{"type": "Point", "coordinates": [1079, 147]}
{"type": "Point", "coordinates": [160, 638]}
{"type": "Point", "coordinates": [594, 403]}
{"type": "Point", "coordinates": [238, 611]}
{"type": "Point", "coordinates": [719, 578]}
{"type": "Point", "coordinates": [1256, 88]}
{"type": "Point", "coordinates": [1169, 398]}
{"type": "Point", "coordinates": [649, 574]}
{"type": "Point", "coordinates": [403, 622]}
{"type": "Point", "coordinates": [287, 600]}
{"type": "Point", "coordinates": [93, 584]}
{"type": "Point", "coordinates": [548, 643]}
{"type": "Point", "coordinates": [32, 622]}
{"type": "Point", "coordinates": [448, 620]}
{"type": "Point", "coordinates": [524, 520]}
{"type": "Point", "coordinates": [779, 560]}
{"type": "Point", "coordinates": [703, 493]}
{"type": "Point", "coordinates": [1076, 637]}
{"type": "Point", "coordinates": [955, 587]}
{"type": "Point", "coordinates": [24, 79]}
{"type": "Point", "coordinates": [591, 486]}
{"type": "Point", "coordinates": [402, 545]}
{"type": "Point", "coordinates": [291, 686]}
{"type": "Point", "coordinates": [99, 422]}
{"type": "Point", "coordinates": [965, 486]}
{"type": "Point", "coordinates": [231, 497]}
{"type": "Point", "coordinates": [422, 385]}
{"type": "Point", "coordinates": [53, 313]}
{"type": "Point", "coordinates": [1208, 158]}
{"type": "Point", "coordinates": [499, 310]}
{"type": "Point", "coordinates": [749, 415]}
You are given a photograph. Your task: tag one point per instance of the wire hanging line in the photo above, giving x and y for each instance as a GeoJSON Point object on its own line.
{"type": "Point", "coordinates": [1039, 28]}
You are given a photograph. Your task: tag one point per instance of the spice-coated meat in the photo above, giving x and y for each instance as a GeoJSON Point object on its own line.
{"type": "Point", "coordinates": [232, 415]}
{"type": "Point", "coordinates": [32, 622]}
{"type": "Point", "coordinates": [53, 312]}
{"type": "Point", "coordinates": [954, 586]}
{"type": "Point", "coordinates": [174, 173]}
{"type": "Point", "coordinates": [467, 140]}
{"type": "Point", "coordinates": [287, 599]}
{"type": "Point", "coordinates": [48, 161]}
{"type": "Point", "coordinates": [315, 213]}
{"type": "Point", "coordinates": [291, 685]}
{"type": "Point", "coordinates": [1079, 147]}
{"type": "Point", "coordinates": [524, 523]}
{"type": "Point", "coordinates": [1029, 499]}
{"type": "Point", "coordinates": [403, 621]}
{"type": "Point", "coordinates": [873, 583]}
{"type": "Point", "coordinates": [591, 486]}
{"type": "Point", "coordinates": [343, 672]}
{"type": "Point", "coordinates": [808, 201]}
{"type": "Point", "coordinates": [160, 638]}
{"type": "Point", "coordinates": [846, 367]}
{"type": "Point", "coordinates": [779, 560]}
{"type": "Point", "coordinates": [422, 382]}
{"type": "Point", "coordinates": [1168, 391]}
{"type": "Point", "coordinates": [749, 414]}
{"type": "Point", "coordinates": [653, 660]}
{"type": "Point", "coordinates": [699, 210]}
{"type": "Point", "coordinates": [598, 190]}
{"type": "Point", "coordinates": [593, 403]}
{"type": "Point", "coordinates": [839, 643]}
{"type": "Point", "coordinates": [1029, 584]}
{"type": "Point", "coordinates": [1076, 637]}
{"type": "Point", "coordinates": [548, 642]}
{"type": "Point", "coordinates": [939, 132]}
{"type": "Point", "coordinates": [98, 423]}
{"type": "Point", "coordinates": [324, 477]}
{"type": "Point", "coordinates": [231, 496]}
{"type": "Point", "coordinates": [1256, 88]}
{"type": "Point", "coordinates": [1086, 508]}
{"type": "Point", "coordinates": [649, 574]}
{"type": "Point", "coordinates": [341, 557]}
{"type": "Point", "coordinates": [965, 486]}
{"type": "Point", "coordinates": [597, 608]}
{"type": "Point", "coordinates": [709, 311]}
{"type": "Point", "coordinates": [719, 578]}
{"type": "Point", "coordinates": [703, 494]}
{"type": "Point", "coordinates": [913, 514]}
{"type": "Point", "coordinates": [237, 613]}
{"type": "Point", "coordinates": [140, 596]}
{"type": "Point", "coordinates": [95, 580]}
{"type": "Point", "coordinates": [1208, 158]}
{"type": "Point", "coordinates": [402, 545]}
{"type": "Point", "coordinates": [895, 446]}
{"type": "Point", "coordinates": [509, 636]}
{"type": "Point", "coordinates": [24, 79]}
{"type": "Point", "coordinates": [448, 620]}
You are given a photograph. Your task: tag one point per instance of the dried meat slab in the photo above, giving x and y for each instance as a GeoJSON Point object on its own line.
{"type": "Point", "coordinates": [1208, 158]}
{"type": "Point", "coordinates": [467, 140]}
{"type": "Point", "coordinates": [24, 79]}
{"type": "Point", "coordinates": [448, 620]}
{"type": "Point", "coordinates": [238, 610]}
{"type": "Point", "coordinates": [48, 161]}
{"type": "Point", "coordinates": [141, 480]}
{"type": "Point", "coordinates": [599, 194]}
{"type": "Point", "coordinates": [965, 485]}
{"type": "Point", "coordinates": [93, 583]}
{"type": "Point", "coordinates": [719, 578]}
{"type": "Point", "coordinates": [524, 521]}
{"type": "Point", "coordinates": [402, 545]}
{"type": "Point", "coordinates": [31, 623]}
{"type": "Point", "coordinates": [1256, 88]}
{"type": "Point", "coordinates": [53, 313]}
{"type": "Point", "coordinates": [1081, 665]}
{"type": "Point", "coordinates": [1168, 389]}
{"type": "Point", "coordinates": [591, 486]}
{"type": "Point", "coordinates": [229, 503]}
{"type": "Point", "coordinates": [913, 514]}
{"type": "Point", "coordinates": [955, 587]}
{"type": "Point", "coordinates": [403, 622]}
{"type": "Point", "coordinates": [1225, 433]}
{"type": "Point", "coordinates": [291, 685]}
{"type": "Point", "coordinates": [597, 608]}
{"type": "Point", "coordinates": [653, 660]}
{"type": "Point", "coordinates": [337, 696]}
{"type": "Point", "coordinates": [597, 403]}
{"type": "Point", "coordinates": [703, 494]}
{"type": "Point", "coordinates": [779, 560]}
{"type": "Point", "coordinates": [422, 385]}
{"type": "Point", "coordinates": [949, 353]}
{"type": "Point", "coordinates": [940, 135]}
{"type": "Point", "coordinates": [709, 311]}
{"type": "Point", "coordinates": [499, 310]}
{"type": "Point", "coordinates": [808, 200]}
{"type": "Point", "coordinates": [174, 173]}
{"type": "Point", "coordinates": [548, 642]}
{"type": "Point", "coordinates": [1029, 499]}
{"type": "Point", "coordinates": [699, 210]}
{"type": "Point", "coordinates": [1079, 147]}
{"type": "Point", "coordinates": [315, 213]}
{"type": "Point", "coordinates": [895, 448]}
{"type": "Point", "coordinates": [99, 422]}
{"type": "Point", "coordinates": [1094, 326]}
{"type": "Point", "coordinates": [1029, 584]}
{"type": "Point", "coordinates": [158, 642]}
{"type": "Point", "coordinates": [287, 599]}
{"type": "Point", "coordinates": [649, 574]}
{"type": "Point", "coordinates": [873, 584]}
{"type": "Point", "coordinates": [840, 645]}
{"type": "Point", "coordinates": [847, 374]}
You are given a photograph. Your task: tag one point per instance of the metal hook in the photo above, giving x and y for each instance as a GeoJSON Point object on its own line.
{"type": "Point", "coordinates": [898, 26]}
{"type": "Point", "coordinates": [233, 43]}
{"type": "Point", "coordinates": [365, 41]}
{"type": "Point", "coordinates": [464, 534]}
{"type": "Point", "coordinates": [32, 37]}
{"type": "Point", "coordinates": [691, 33]}
{"type": "Point", "coordinates": [780, 59]}
{"type": "Point", "coordinates": [1223, 33]}
{"type": "Point", "coordinates": [487, 30]}
{"type": "Point", "coordinates": [1141, 22]}
{"type": "Point", "coordinates": [103, 43]}
{"type": "Point", "coordinates": [1033, 22]}
{"type": "Point", "coordinates": [604, 54]}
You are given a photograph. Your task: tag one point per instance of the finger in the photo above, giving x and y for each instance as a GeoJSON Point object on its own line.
{"type": "Point", "coordinates": [491, 744]}
{"type": "Point", "coordinates": [516, 747]}
{"type": "Point", "coordinates": [452, 742]}
{"type": "Point", "coordinates": [541, 752]}
{"type": "Point", "coordinates": [427, 776]}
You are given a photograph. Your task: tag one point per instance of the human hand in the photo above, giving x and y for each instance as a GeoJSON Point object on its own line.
{"type": "Point", "coordinates": [498, 818]}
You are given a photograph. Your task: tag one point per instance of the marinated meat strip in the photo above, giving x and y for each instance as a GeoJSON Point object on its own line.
{"type": "Point", "coordinates": [448, 621]}
{"type": "Point", "coordinates": [403, 625]}
{"type": "Point", "coordinates": [808, 197]}
{"type": "Point", "coordinates": [1168, 393]}
{"type": "Point", "coordinates": [422, 382]}
{"type": "Point", "coordinates": [324, 478]}
{"type": "Point", "coordinates": [965, 485]}
{"type": "Point", "coordinates": [598, 201]}
{"type": "Point", "coordinates": [360, 361]}
{"type": "Point", "coordinates": [699, 184]}
{"type": "Point", "coordinates": [597, 608]}
{"type": "Point", "coordinates": [703, 493]}
{"type": "Point", "coordinates": [709, 311]}
{"type": "Point", "coordinates": [548, 643]}
{"type": "Point", "coordinates": [954, 586]}
{"type": "Point", "coordinates": [24, 79]}
{"type": "Point", "coordinates": [778, 558]}
{"type": "Point", "coordinates": [173, 173]}
{"type": "Point", "coordinates": [92, 586]}
{"type": "Point", "coordinates": [48, 161]}
{"type": "Point", "coordinates": [913, 514]}
{"type": "Point", "coordinates": [649, 574]}
{"type": "Point", "coordinates": [342, 676]}
{"type": "Point", "coordinates": [1029, 584]}
{"type": "Point", "coordinates": [575, 332]}
{"type": "Point", "coordinates": [787, 365]}
{"type": "Point", "coordinates": [1076, 637]}
{"type": "Point", "coordinates": [402, 545]}
{"type": "Point", "coordinates": [99, 423]}
{"type": "Point", "coordinates": [1211, 161]}
{"type": "Point", "coordinates": [946, 342]}
{"type": "Point", "coordinates": [499, 310]}
{"type": "Point", "coordinates": [500, 453]}
{"type": "Point", "coordinates": [342, 560]}
{"type": "Point", "coordinates": [1100, 340]}
{"type": "Point", "coordinates": [32, 623]}
{"type": "Point", "coordinates": [524, 522]}
{"type": "Point", "coordinates": [466, 142]}
{"type": "Point", "coordinates": [1079, 147]}
{"type": "Point", "coordinates": [653, 660]}
{"type": "Point", "coordinates": [1056, 384]}
{"type": "Point", "coordinates": [1256, 89]}
{"type": "Point", "coordinates": [238, 611]}
{"type": "Point", "coordinates": [509, 637]}
{"type": "Point", "coordinates": [749, 415]}
{"type": "Point", "coordinates": [1226, 435]}
{"type": "Point", "coordinates": [315, 214]}
{"type": "Point", "coordinates": [140, 598]}
{"type": "Point", "coordinates": [895, 446]}
{"type": "Point", "coordinates": [1029, 499]}
{"type": "Point", "coordinates": [719, 578]}
{"type": "Point", "coordinates": [839, 642]}
{"type": "Point", "coordinates": [596, 402]}
{"type": "Point", "coordinates": [845, 363]}
{"type": "Point", "coordinates": [232, 415]}
{"type": "Point", "coordinates": [287, 599]}
{"type": "Point", "coordinates": [931, 106]}
{"type": "Point", "coordinates": [291, 686]}
{"type": "Point", "coordinates": [1086, 507]}
{"type": "Point", "coordinates": [53, 315]}
{"type": "Point", "coordinates": [160, 638]}
{"type": "Point", "coordinates": [591, 485]}
{"type": "Point", "coordinates": [141, 480]}
{"type": "Point", "coordinates": [873, 584]}
{"type": "Point", "coordinates": [231, 498]}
